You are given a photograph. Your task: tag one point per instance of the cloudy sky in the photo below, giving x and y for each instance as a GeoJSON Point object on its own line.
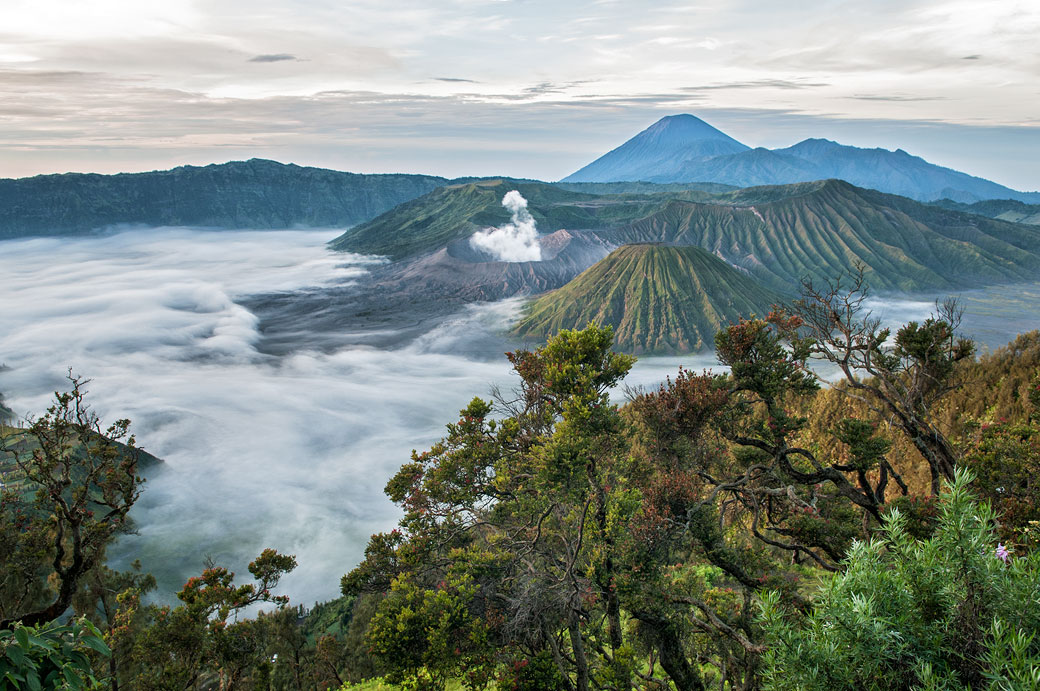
{"type": "Point", "coordinates": [520, 87]}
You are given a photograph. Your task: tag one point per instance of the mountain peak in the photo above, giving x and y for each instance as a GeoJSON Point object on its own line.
{"type": "Point", "coordinates": [689, 127]}
{"type": "Point", "coordinates": [660, 149]}
{"type": "Point", "coordinates": [683, 148]}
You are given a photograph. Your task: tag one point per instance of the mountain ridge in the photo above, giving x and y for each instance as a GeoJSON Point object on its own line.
{"type": "Point", "coordinates": [257, 193]}
{"type": "Point", "coordinates": [895, 172]}
{"type": "Point", "coordinates": [781, 234]}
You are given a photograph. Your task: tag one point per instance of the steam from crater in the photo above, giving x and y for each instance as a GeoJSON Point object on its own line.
{"type": "Point", "coordinates": [516, 241]}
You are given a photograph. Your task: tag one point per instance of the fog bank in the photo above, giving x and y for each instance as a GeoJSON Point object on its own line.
{"type": "Point", "coordinates": [291, 449]}
{"type": "Point", "coordinates": [288, 452]}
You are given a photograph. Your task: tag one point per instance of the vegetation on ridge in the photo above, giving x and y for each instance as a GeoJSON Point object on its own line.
{"type": "Point", "coordinates": [827, 227]}
{"type": "Point", "coordinates": [658, 299]}
{"type": "Point", "coordinates": [561, 541]}
{"type": "Point", "coordinates": [240, 194]}
{"type": "Point", "coordinates": [455, 212]}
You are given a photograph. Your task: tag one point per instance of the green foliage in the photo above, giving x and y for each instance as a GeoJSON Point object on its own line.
{"type": "Point", "coordinates": [1006, 459]}
{"type": "Point", "coordinates": [620, 545]}
{"type": "Point", "coordinates": [536, 673]}
{"type": "Point", "coordinates": [475, 578]}
{"type": "Point", "coordinates": [866, 446]}
{"type": "Point", "coordinates": [940, 612]}
{"type": "Point", "coordinates": [432, 635]}
{"type": "Point", "coordinates": [50, 656]}
{"type": "Point", "coordinates": [175, 647]}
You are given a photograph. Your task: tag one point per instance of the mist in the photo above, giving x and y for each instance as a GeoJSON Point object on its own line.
{"type": "Point", "coordinates": [288, 452]}
{"type": "Point", "coordinates": [287, 448]}
{"type": "Point", "coordinates": [516, 241]}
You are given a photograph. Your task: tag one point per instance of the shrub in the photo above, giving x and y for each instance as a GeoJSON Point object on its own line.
{"type": "Point", "coordinates": [951, 611]}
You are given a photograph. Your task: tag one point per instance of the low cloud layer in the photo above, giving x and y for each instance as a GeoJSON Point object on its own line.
{"type": "Point", "coordinates": [290, 451]}
{"type": "Point", "coordinates": [516, 241]}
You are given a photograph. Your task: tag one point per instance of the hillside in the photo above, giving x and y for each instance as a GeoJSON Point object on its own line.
{"type": "Point", "coordinates": [1001, 209]}
{"type": "Point", "coordinates": [16, 443]}
{"type": "Point", "coordinates": [454, 212]}
{"type": "Point", "coordinates": [658, 299]}
{"type": "Point", "coordinates": [781, 234]}
{"type": "Point", "coordinates": [241, 194]}
{"type": "Point", "coordinates": [705, 189]}
{"type": "Point", "coordinates": [682, 148]}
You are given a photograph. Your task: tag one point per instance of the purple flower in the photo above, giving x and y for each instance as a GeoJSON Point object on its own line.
{"type": "Point", "coordinates": [1003, 553]}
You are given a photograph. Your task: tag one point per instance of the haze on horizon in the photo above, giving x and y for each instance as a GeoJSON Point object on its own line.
{"type": "Point", "coordinates": [523, 88]}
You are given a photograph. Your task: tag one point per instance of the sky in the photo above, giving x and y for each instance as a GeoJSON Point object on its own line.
{"type": "Point", "coordinates": [528, 88]}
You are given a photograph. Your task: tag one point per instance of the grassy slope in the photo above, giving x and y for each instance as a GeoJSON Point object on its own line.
{"type": "Point", "coordinates": [658, 299]}
{"type": "Point", "coordinates": [781, 234]}
{"type": "Point", "coordinates": [457, 211]}
{"type": "Point", "coordinates": [18, 441]}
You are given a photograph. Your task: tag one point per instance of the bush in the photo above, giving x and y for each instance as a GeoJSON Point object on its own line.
{"type": "Point", "coordinates": [951, 611]}
{"type": "Point", "coordinates": [50, 656]}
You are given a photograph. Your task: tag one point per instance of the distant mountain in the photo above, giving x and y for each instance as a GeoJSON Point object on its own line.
{"type": "Point", "coordinates": [660, 151]}
{"type": "Point", "coordinates": [1001, 209]}
{"type": "Point", "coordinates": [659, 299]}
{"type": "Point", "coordinates": [749, 168]}
{"type": "Point", "coordinates": [241, 194]}
{"type": "Point", "coordinates": [455, 212]}
{"type": "Point", "coordinates": [697, 152]}
{"type": "Point", "coordinates": [778, 233]}
{"type": "Point", "coordinates": [705, 189]}
{"type": "Point", "coordinates": [784, 233]}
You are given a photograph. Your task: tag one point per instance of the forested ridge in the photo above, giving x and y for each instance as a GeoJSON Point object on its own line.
{"type": "Point", "coordinates": [240, 194]}
{"type": "Point", "coordinates": [748, 529]}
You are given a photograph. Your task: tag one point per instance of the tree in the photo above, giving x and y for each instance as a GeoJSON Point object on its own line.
{"type": "Point", "coordinates": [76, 484]}
{"type": "Point", "coordinates": [900, 382]}
{"type": "Point", "coordinates": [628, 546]}
{"type": "Point", "coordinates": [178, 646]}
{"type": "Point", "coordinates": [508, 542]}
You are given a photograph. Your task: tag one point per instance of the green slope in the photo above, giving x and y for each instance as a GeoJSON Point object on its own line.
{"type": "Point", "coordinates": [783, 233]}
{"type": "Point", "coordinates": [457, 211]}
{"type": "Point", "coordinates": [1002, 209]}
{"type": "Point", "coordinates": [659, 299]}
{"type": "Point", "coordinates": [240, 194]}
{"type": "Point", "coordinates": [19, 444]}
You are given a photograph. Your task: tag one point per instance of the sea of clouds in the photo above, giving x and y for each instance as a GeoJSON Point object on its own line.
{"type": "Point", "coordinates": [287, 450]}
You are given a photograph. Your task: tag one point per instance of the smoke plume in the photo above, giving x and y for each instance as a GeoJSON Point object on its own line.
{"type": "Point", "coordinates": [516, 241]}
